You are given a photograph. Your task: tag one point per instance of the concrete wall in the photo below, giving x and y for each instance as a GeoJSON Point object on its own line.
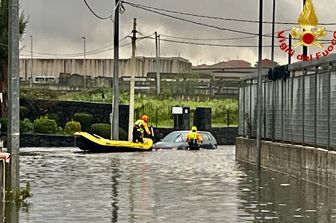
{"type": "Point", "coordinates": [43, 140]}
{"type": "Point", "coordinates": [100, 67]}
{"type": "Point", "coordinates": [307, 163]}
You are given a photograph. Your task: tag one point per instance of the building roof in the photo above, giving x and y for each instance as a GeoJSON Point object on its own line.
{"type": "Point", "coordinates": [267, 63]}
{"type": "Point", "coordinates": [231, 64]}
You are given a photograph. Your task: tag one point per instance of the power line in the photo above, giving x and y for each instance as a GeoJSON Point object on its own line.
{"type": "Point", "coordinates": [92, 52]}
{"type": "Point", "coordinates": [225, 39]}
{"type": "Point", "coordinates": [145, 36]}
{"type": "Point", "coordinates": [208, 39]}
{"type": "Point", "coordinates": [191, 21]}
{"type": "Point", "coordinates": [208, 44]}
{"type": "Point", "coordinates": [219, 18]}
{"type": "Point", "coordinates": [213, 39]}
{"type": "Point", "coordinates": [216, 39]}
{"type": "Point", "coordinates": [94, 13]}
{"type": "Point", "coordinates": [216, 45]}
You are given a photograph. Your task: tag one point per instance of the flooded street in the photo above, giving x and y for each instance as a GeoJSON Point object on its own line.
{"type": "Point", "coordinates": [164, 186]}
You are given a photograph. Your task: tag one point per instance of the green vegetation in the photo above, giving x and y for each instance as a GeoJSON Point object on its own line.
{"type": "Point", "coordinates": [55, 117]}
{"type": "Point", "coordinates": [72, 127]}
{"type": "Point", "coordinates": [24, 112]}
{"type": "Point", "coordinates": [21, 197]}
{"type": "Point", "coordinates": [158, 109]}
{"type": "Point", "coordinates": [101, 129]}
{"type": "Point", "coordinates": [224, 111]}
{"type": "Point", "coordinates": [45, 125]}
{"type": "Point", "coordinates": [84, 119]}
{"type": "Point", "coordinates": [3, 122]}
{"type": "Point", "coordinates": [104, 130]}
{"type": "Point", "coordinates": [38, 93]}
{"type": "Point", "coordinates": [26, 126]}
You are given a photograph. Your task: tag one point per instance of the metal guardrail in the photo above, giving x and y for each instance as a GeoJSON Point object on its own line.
{"type": "Point", "coordinates": [299, 110]}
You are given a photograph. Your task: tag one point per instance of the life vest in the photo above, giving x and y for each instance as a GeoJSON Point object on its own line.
{"type": "Point", "coordinates": [139, 126]}
{"type": "Point", "coordinates": [192, 135]}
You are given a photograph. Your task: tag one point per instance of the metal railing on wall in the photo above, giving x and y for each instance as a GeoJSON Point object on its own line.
{"type": "Point", "coordinates": [300, 109]}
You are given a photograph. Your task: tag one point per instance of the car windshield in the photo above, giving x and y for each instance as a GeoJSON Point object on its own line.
{"type": "Point", "coordinates": [175, 137]}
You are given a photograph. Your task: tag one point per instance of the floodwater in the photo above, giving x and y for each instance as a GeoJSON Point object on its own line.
{"type": "Point", "coordinates": [164, 186]}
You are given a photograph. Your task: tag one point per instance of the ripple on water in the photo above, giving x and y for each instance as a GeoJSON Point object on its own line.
{"type": "Point", "coordinates": [163, 186]}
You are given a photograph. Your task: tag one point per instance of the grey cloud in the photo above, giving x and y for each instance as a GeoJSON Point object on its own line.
{"type": "Point", "coordinates": [58, 25]}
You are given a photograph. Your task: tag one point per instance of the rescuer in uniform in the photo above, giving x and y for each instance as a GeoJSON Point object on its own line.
{"type": "Point", "coordinates": [140, 128]}
{"type": "Point", "coordinates": [194, 139]}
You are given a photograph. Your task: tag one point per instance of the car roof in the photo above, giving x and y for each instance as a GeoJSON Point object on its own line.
{"type": "Point", "coordinates": [184, 131]}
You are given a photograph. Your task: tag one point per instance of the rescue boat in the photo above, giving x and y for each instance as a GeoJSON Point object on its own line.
{"type": "Point", "coordinates": [95, 143]}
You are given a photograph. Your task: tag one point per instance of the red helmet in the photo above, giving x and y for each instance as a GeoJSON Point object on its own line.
{"type": "Point", "coordinates": [144, 118]}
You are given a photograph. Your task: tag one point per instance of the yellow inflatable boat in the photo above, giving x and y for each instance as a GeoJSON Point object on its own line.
{"type": "Point", "coordinates": [95, 143]}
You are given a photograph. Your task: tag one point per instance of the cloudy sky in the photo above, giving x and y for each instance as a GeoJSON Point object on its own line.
{"type": "Point", "coordinates": [58, 25]}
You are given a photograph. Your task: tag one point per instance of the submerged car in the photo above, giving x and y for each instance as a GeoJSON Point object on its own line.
{"type": "Point", "coordinates": [177, 140]}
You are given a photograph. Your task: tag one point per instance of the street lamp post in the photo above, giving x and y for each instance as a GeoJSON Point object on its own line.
{"type": "Point", "coordinates": [31, 61]}
{"type": "Point", "coordinates": [157, 48]}
{"type": "Point", "coordinates": [259, 91]}
{"type": "Point", "coordinates": [273, 31]}
{"type": "Point", "coordinates": [115, 107]}
{"type": "Point", "coordinates": [84, 62]}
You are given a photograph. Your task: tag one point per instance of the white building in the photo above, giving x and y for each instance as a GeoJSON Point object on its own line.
{"type": "Point", "coordinates": [100, 67]}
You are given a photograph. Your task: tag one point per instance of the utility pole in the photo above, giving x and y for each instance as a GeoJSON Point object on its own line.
{"type": "Point", "coordinates": [273, 31]}
{"type": "Point", "coordinates": [305, 49]}
{"type": "Point", "coordinates": [134, 32]}
{"type": "Point", "coordinates": [259, 107]}
{"type": "Point", "coordinates": [13, 137]}
{"type": "Point", "coordinates": [115, 106]}
{"type": "Point", "coordinates": [290, 49]}
{"type": "Point", "coordinates": [158, 86]}
{"type": "Point", "coordinates": [84, 62]}
{"type": "Point", "coordinates": [159, 50]}
{"type": "Point", "coordinates": [31, 62]}
{"type": "Point", "coordinates": [132, 83]}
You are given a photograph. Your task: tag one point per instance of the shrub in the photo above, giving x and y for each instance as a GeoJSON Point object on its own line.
{"type": "Point", "coordinates": [26, 126]}
{"type": "Point", "coordinates": [60, 131]}
{"type": "Point", "coordinates": [72, 127]}
{"type": "Point", "coordinates": [24, 112]}
{"type": "Point", "coordinates": [104, 130]}
{"type": "Point", "coordinates": [84, 119]}
{"type": "Point", "coordinates": [55, 117]}
{"type": "Point", "coordinates": [45, 125]}
{"type": "Point", "coordinates": [101, 129]}
{"type": "Point", "coordinates": [3, 122]}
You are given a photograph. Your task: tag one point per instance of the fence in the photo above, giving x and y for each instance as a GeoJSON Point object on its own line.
{"type": "Point", "coordinates": [300, 109]}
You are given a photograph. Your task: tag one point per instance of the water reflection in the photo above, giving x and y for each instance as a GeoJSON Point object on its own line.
{"type": "Point", "coordinates": [167, 186]}
{"type": "Point", "coordinates": [279, 198]}
{"type": "Point", "coordinates": [11, 213]}
{"type": "Point", "coordinates": [114, 179]}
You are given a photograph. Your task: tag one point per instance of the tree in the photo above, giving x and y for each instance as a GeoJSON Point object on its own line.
{"type": "Point", "coordinates": [4, 51]}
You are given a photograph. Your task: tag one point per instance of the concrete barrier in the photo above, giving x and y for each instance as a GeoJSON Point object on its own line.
{"type": "Point", "coordinates": [308, 163]}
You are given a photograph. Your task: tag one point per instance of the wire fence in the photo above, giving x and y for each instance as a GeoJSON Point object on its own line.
{"type": "Point", "coordinates": [299, 110]}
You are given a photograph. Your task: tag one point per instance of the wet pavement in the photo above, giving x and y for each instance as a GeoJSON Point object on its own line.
{"type": "Point", "coordinates": [164, 186]}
